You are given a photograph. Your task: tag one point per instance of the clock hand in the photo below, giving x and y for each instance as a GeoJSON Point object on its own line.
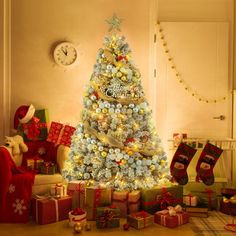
{"type": "Point", "coordinates": [64, 51]}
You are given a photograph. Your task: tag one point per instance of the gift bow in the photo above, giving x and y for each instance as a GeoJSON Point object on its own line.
{"type": "Point", "coordinates": [165, 199]}
{"type": "Point", "coordinates": [78, 211]}
{"type": "Point", "coordinates": [172, 211]}
{"type": "Point", "coordinates": [106, 217]}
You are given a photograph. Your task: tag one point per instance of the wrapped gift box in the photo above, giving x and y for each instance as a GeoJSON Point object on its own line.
{"type": "Point", "coordinates": [37, 127]}
{"type": "Point", "coordinates": [127, 202]}
{"type": "Point", "coordinates": [54, 132]}
{"type": "Point", "coordinates": [76, 189]}
{"type": "Point", "coordinates": [140, 220]}
{"type": "Point", "coordinates": [190, 200]}
{"type": "Point", "coordinates": [46, 211]}
{"type": "Point", "coordinates": [58, 190]}
{"type": "Point", "coordinates": [134, 201]}
{"type": "Point", "coordinates": [107, 217]}
{"type": "Point", "coordinates": [120, 200]}
{"type": "Point", "coordinates": [95, 197]}
{"type": "Point", "coordinates": [197, 211]}
{"type": "Point", "coordinates": [159, 198]}
{"type": "Point", "coordinates": [34, 163]}
{"type": "Point", "coordinates": [171, 221]}
{"type": "Point", "coordinates": [207, 198]}
{"type": "Point", "coordinates": [48, 168]}
{"type": "Point", "coordinates": [66, 135]}
{"type": "Point", "coordinates": [77, 215]}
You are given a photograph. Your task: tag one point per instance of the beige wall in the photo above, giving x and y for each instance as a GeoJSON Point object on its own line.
{"type": "Point", "coordinates": [37, 25]}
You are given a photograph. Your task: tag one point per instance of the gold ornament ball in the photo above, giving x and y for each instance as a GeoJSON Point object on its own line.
{"type": "Point", "coordinates": [95, 106]}
{"type": "Point", "coordinates": [123, 78]}
{"type": "Point", "coordinates": [104, 110]}
{"type": "Point", "coordinates": [233, 199]}
{"type": "Point", "coordinates": [86, 135]}
{"type": "Point", "coordinates": [118, 74]}
{"type": "Point", "coordinates": [130, 153]}
{"type": "Point", "coordinates": [163, 163]}
{"type": "Point", "coordinates": [104, 154]}
{"type": "Point", "coordinates": [95, 147]}
{"type": "Point", "coordinates": [225, 200]}
{"type": "Point", "coordinates": [152, 167]}
{"type": "Point", "coordinates": [77, 228]}
{"type": "Point", "coordinates": [141, 111]}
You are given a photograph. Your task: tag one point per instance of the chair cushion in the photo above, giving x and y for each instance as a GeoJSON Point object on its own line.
{"type": "Point", "coordinates": [47, 179]}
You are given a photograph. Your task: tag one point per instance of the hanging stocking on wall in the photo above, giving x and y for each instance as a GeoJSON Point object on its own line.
{"type": "Point", "coordinates": [180, 163]}
{"type": "Point", "coordinates": [206, 162]}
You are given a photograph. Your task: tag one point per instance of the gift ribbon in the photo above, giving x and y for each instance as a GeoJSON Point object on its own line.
{"type": "Point", "coordinates": [47, 166]}
{"type": "Point", "coordinates": [39, 198]}
{"type": "Point", "coordinates": [164, 199]}
{"type": "Point", "coordinates": [77, 220]}
{"type": "Point", "coordinates": [96, 200]}
{"type": "Point", "coordinates": [80, 189]}
{"type": "Point", "coordinates": [209, 194]}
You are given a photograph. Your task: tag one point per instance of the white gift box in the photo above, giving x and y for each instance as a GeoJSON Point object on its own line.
{"type": "Point", "coordinates": [190, 200]}
{"type": "Point", "coordinates": [58, 190]}
{"type": "Point", "coordinates": [73, 219]}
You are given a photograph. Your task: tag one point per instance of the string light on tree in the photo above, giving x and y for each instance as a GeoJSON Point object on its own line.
{"type": "Point", "coordinates": [118, 145]}
{"type": "Point", "coordinates": [186, 86]}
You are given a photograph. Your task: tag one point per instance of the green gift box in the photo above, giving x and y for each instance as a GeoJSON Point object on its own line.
{"type": "Point", "coordinates": [37, 127]}
{"type": "Point", "coordinates": [48, 168]}
{"type": "Point", "coordinates": [107, 217]}
{"type": "Point", "coordinates": [207, 198]}
{"type": "Point", "coordinates": [96, 197]}
{"type": "Point", "coordinates": [160, 197]}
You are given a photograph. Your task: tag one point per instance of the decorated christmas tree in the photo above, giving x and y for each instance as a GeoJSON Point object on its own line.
{"type": "Point", "coordinates": [116, 143]}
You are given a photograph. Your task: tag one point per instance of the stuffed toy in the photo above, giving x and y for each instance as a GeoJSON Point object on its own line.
{"type": "Point", "coordinates": [16, 146]}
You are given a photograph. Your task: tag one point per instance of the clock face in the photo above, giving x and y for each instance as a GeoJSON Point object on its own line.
{"type": "Point", "coordinates": [65, 54]}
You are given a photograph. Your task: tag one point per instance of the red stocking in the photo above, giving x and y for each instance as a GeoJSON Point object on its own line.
{"type": "Point", "coordinates": [206, 162]}
{"type": "Point", "coordinates": [180, 163]}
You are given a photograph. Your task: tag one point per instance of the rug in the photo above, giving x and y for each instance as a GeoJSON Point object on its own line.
{"type": "Point", "coordinates": [213, 225]}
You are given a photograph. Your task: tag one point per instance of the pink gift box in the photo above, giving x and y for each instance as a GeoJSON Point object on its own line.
{"type": "Point", "coordinates": [76, 189]}
{"type": "Point", "coordinates": [120, 199]}
{"type": "Point", "coordinates": [171, 221]}
{"type": "Point", "coordinates": [127, 202]}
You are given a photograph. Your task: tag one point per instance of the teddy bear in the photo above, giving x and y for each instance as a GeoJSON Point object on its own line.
{"type": "Point", "coordinates": [16, 147]}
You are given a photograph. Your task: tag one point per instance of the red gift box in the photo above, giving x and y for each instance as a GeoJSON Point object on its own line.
{"type": "Point", "coordinates": [54, 132]}
{"type": "Point", "coordinates": [50, 210]}
{"type": "Point", "coordinates": [66, 135]}
{"type": "Point", "coordinates": [165, 219]}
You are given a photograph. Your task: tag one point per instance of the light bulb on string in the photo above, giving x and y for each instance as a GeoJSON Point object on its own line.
{"type": "Point", "coordinates": [173, 67]}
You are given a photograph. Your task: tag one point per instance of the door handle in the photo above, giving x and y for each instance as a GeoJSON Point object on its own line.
{"type": "Point", "coordinates": [221, 117]}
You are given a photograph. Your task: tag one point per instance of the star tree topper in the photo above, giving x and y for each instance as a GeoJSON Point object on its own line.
{"type": "Point", "coordinates": [114, 23]}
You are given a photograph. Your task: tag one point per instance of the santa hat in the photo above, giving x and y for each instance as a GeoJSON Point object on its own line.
{"type": "Point", "coordinates": [23, 115]}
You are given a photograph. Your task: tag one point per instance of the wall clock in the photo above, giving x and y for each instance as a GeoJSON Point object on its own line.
{"type": "Point", "coordinates": [65, 54]}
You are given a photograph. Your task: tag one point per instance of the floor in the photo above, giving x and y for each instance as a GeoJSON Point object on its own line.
{"type": "Point", "coordinates": [62, 229]}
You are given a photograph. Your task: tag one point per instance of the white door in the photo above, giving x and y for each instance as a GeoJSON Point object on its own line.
{"type": "Point", "coordinates": [199, 53]}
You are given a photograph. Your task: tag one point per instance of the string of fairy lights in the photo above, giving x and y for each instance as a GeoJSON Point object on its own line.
{"type": "Point", "coordinates": [178, 76]}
